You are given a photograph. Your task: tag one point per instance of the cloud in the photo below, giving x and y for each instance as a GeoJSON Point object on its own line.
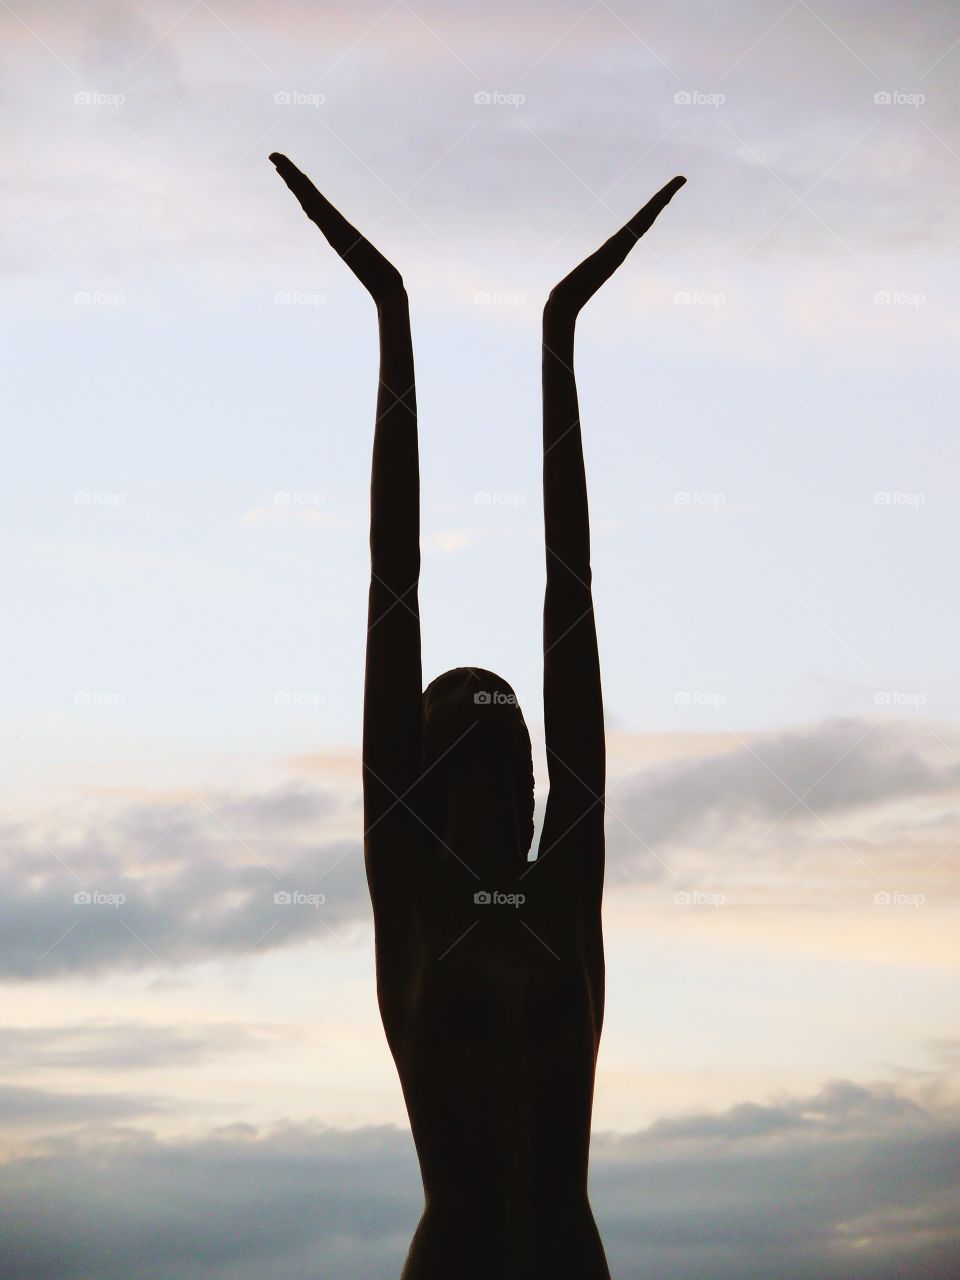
{"type": "Point", "coordinates": [788, 780]}
{"type": "Point", "coordinates": [173, 882]}
{"type": "Point", "coordinates": [295, 805]}
{"type": "Point", "coordinates": [857, 1182]}
{"type": "Point", "coordinates": [125, 1046]}
{"type": "Point", "coordinates": [839, 1106]}
{"type": "Point", "coordinates": [597, 129]}
{"type": "Point", "coordinates": [852, 1181]}
{"type": "Point", "coordinates": [161, 884]}
{"type": "Point", "coordinates": [449, 541]}
{"type": "Point", "coordinates": [45, 1109]}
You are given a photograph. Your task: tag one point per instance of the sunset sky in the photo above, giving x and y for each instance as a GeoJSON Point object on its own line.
{"type": "Point", "coordinates": [195, 1082]}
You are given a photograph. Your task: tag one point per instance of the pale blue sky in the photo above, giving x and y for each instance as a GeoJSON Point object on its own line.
{"type": "Point", "coordinates": [772, 471]}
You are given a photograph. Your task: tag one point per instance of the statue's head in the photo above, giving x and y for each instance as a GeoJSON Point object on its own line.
{"type": "Point", "coordinates": [474, 734]}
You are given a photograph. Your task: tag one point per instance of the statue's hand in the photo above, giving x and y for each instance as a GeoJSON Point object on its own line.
{"type": "Point", "coordinates": [576, 289]}
{"type": "Point", "coordinates": [381, 279]}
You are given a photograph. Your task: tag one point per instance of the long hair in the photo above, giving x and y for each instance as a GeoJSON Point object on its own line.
{"type": "Point", "coordinates": [475, 694]}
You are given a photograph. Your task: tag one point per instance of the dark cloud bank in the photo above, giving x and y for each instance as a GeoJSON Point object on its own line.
{"type": "Point", "coordinates": [853, 1183]}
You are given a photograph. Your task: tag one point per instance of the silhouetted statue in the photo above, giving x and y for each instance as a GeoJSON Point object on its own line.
{"type": "Point", "coordinates": [492, 1010]}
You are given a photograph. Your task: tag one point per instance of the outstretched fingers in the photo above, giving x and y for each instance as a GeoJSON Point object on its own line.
{"type": "Point", "coordinates": [576, 289]}
{"type": "Point", "coordinates": [644, 219]}
{"type": "Point", "coordinates": [378, 276]}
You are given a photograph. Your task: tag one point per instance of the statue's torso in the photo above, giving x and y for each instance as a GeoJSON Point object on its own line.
{"type": "Point", "coordinates": [493, 1012]}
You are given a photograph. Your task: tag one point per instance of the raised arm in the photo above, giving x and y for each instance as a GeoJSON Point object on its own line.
{"type": "Point", "coordinates": [573, 703]}
{"type": "Point", "coordinates": [391, 709]}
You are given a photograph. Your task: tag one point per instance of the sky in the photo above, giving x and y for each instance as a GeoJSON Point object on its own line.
{"type": "Point", "coordinates": [193, 1076]}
